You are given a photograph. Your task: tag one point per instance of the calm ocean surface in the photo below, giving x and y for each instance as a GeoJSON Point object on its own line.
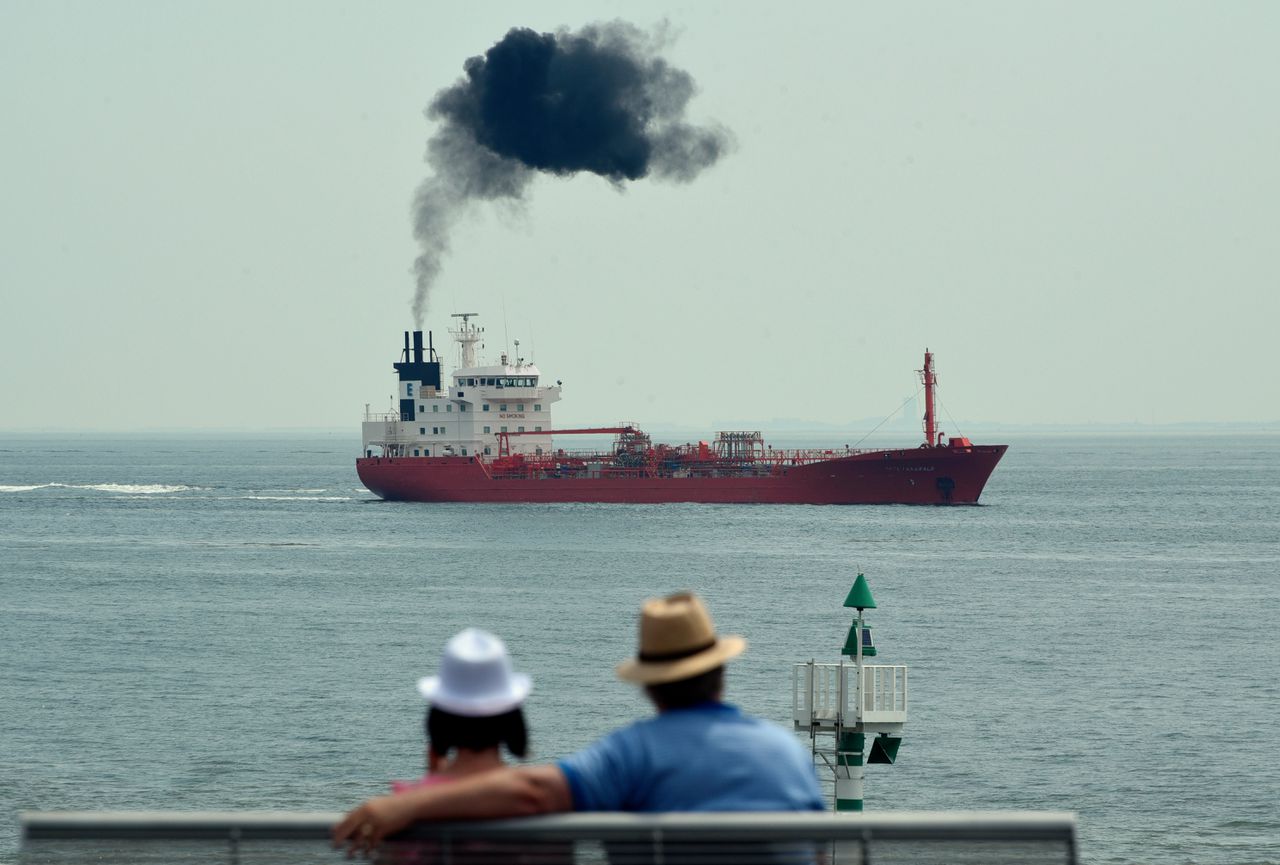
{"type": "Point", "coordinates": [221, 622]}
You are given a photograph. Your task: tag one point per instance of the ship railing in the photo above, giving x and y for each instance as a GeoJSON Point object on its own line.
{"type": "Point", "coordinates": [560, 454]}
{"type": "Point", "coordinates": [773, 456]}
{"type": "Point", "coordinates": [777, 457]}
{"type": "Point", "coordinates": [251, 837]}
{"type": "Point", "coordinates": [381, 417]}
{"type": "Point", "coordinates": [606, 465]}
{"type": "Point", "coordinates": [827, 695]}
{"type": "Point", "coordinates": [581, 457]}
{"type": "Point", "coordinates": [550, 470]}
{"type": "Point", "coordinates": [803, 456]}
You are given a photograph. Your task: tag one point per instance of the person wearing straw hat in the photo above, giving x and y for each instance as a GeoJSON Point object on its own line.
{"type": "Point", "coordinates": [473, 710]}
{"type": "Point", "coordinates": [696, 754]}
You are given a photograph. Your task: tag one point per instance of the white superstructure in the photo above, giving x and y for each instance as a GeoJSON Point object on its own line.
{"type": "Point", "coordinates": [463, 415]}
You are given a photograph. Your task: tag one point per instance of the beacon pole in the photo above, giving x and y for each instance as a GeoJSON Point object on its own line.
{"type": "Point", "coordinates": [850, 743]}
{"type": "Point", "coordinates": [839, 704]}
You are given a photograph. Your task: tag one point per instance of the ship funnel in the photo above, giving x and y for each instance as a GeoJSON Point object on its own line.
{"type": "Point", "coordinates": [423, 371]}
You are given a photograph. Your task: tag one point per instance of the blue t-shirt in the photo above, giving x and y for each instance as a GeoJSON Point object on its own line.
{"type": "Point", "coordinates": [709, 757]}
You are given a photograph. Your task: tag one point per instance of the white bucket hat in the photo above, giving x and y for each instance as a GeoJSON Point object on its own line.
{"type": "Point", "coordinates": [475, 677]}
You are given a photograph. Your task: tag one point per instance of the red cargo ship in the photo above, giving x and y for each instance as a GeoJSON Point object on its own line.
{"type": "Point", "coordinates": [487, 437]}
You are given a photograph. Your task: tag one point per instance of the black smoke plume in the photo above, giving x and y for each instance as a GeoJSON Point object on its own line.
{"type": "Point", "coordinates": [598, 100]}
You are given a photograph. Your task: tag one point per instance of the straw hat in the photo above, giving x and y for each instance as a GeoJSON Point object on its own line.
{"type": "Point", "coordinates": [677, 641]}
{"type": "Point", "coordinates": [475, 677]}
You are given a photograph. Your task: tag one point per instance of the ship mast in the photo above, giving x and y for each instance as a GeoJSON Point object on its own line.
{"type": "Point", "coordinates": [467, 336]}
{"type": "Point", "coordinates": [930, 380]}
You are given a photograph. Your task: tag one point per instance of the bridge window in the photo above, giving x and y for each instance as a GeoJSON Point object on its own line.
{"type": "Point", "coordinates": [486, 429]}
{"type": "Point", "coordinates": [484, 407]}
{"type": "Point", "coordinates": [415, 452]}
{"type": "Point", "coordinates": [504, 429]}
{"type": "Point", "coordinates": [537, 429]}
{"type": "Point", "coordinates": [486, 450]}
{"type": "Point", "coordinates": [519, 429]}
{"type": "Point", "coordinates": [519, 406]}
{"type": "Point", "coordinates": [435, 406]}
{"type": "Point", "coordinates": [502, 406]}
{"type": "Point", "coordinates": [537, 406]}
{"type": "Point", "coordinates": [422, 430]}
{"type": "Point", "coordinates": [409, 385]}
{"type": "Point", "coordinates": [448, 407]}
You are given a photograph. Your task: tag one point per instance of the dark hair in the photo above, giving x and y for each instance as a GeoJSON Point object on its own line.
{"type": "Point", "coordinates": [446, 731]}
{"type": "Point", "coordinates": [688, 692]}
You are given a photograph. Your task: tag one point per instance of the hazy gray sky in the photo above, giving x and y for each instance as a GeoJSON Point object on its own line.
{"type": "Point", "coordinates": [205, 212]}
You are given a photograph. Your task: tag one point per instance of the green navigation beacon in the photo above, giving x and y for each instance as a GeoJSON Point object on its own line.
{"type": "Point", "coordinates": [840, 704]}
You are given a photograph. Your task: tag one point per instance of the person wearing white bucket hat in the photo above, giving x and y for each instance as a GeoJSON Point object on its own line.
{"type": "Point", "coordinates": [697, 754]}
{"type": "Point", "coordinates": [474, 708]}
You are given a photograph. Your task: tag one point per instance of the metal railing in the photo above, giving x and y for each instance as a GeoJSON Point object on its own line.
{"type": "Point", "coordinates": [618, 839]}
{"type": "Point", "coordinates": [825, 694]}
{"type": "Point", "coordinates": [884, 692]}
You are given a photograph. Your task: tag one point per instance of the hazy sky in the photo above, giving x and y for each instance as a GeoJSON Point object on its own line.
{"type": "Point", "coordinates": [205, 213]}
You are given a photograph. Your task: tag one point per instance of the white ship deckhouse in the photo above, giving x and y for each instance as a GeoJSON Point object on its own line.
{"type": "Point", "coordinates": [465, 416]}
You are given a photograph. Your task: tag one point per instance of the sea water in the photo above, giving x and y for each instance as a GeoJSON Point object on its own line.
{"type": "Point", "coordinates": [209, 622]}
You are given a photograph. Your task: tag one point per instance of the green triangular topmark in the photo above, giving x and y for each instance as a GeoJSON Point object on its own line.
{"type": "Point", "coordinates": [860, 595]}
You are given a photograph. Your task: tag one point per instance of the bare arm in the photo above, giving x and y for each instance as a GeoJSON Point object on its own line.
{"type": "Point", "coordinates": [507, 792]}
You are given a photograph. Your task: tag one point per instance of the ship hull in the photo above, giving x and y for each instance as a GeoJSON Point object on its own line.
{"type": "Point", "coordinates": [916, 476]}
